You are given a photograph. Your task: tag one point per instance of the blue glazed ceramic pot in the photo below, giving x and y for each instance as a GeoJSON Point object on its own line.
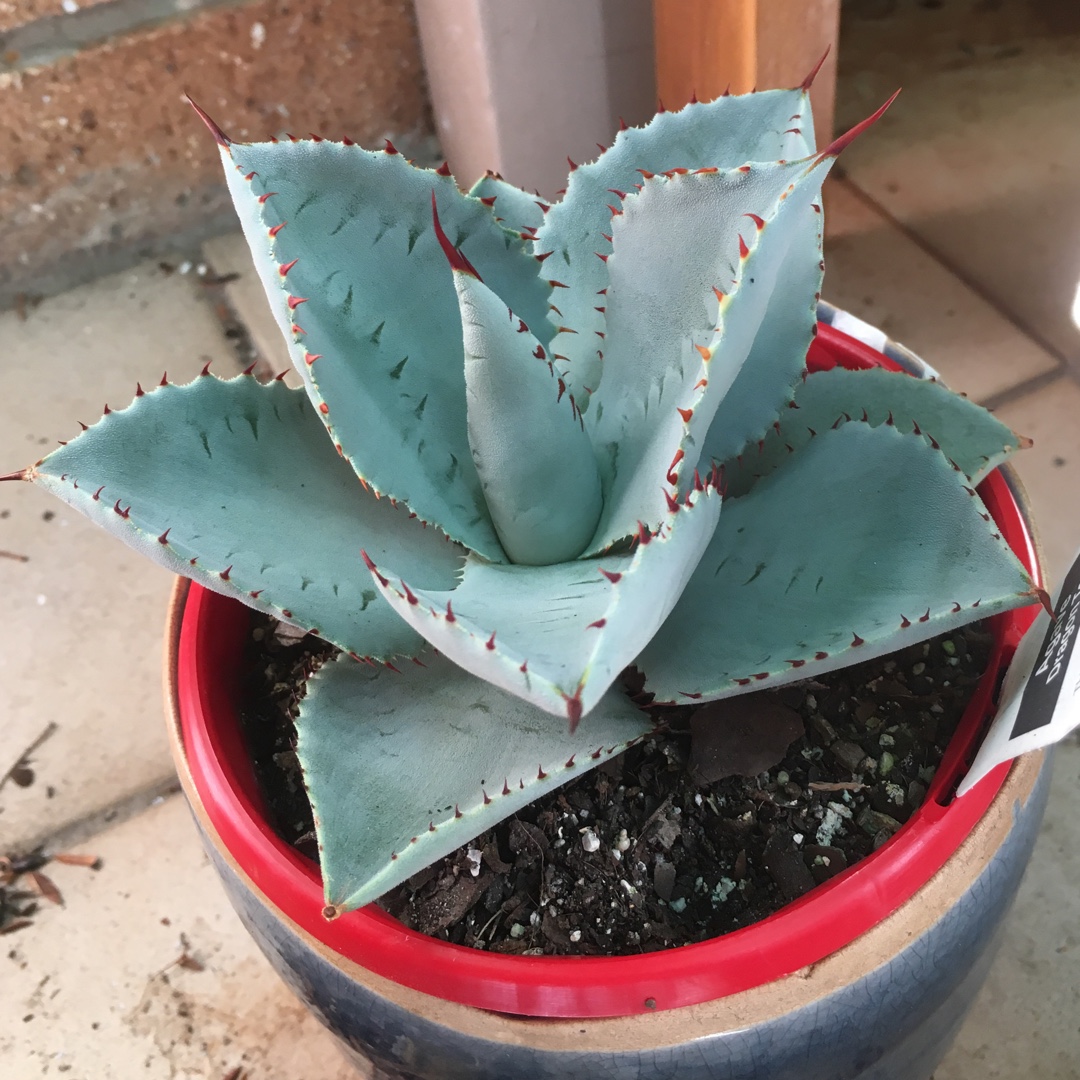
{"type": "Point", "coordinates": [885, 1007]}
{"type": "Point", "coordinates": [868, 976]}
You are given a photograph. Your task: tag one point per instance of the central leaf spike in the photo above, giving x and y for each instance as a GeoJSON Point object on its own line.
{"type": "Point", "coordinates": [453, 255]}
{"type": "Point", "coordinates": [536, 464]}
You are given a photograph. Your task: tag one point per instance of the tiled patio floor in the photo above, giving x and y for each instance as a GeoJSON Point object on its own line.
{"type": "Point", "coordinates": [94, 991]}
{"type": "Point", "coordinates": [973, 264]}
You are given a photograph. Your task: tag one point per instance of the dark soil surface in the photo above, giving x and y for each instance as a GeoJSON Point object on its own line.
{"type": "Point", "coordinates": [651, 849]}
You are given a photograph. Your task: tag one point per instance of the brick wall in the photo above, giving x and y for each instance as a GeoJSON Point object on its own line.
{"type": "Point", "coordinates": [101, 159]}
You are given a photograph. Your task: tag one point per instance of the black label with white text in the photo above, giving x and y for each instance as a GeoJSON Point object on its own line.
{"type": "Point", "coordinates": [1048, 677]}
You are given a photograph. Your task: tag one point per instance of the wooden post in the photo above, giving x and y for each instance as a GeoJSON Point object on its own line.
{"type": "Point", "coordinates": [707, 46]}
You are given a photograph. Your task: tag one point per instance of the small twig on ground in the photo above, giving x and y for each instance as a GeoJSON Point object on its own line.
{"type": "Point", "coordinates": [846, 785]}
{"type": "Point", "coordinates": [14, 555]}
{"type": "Point", "coordinates": [185, 960]}
{"type": "Point", "coordinates": [14, 914]}
{"type": "Point", "coordinates": [23, 759]}
{"type": "Point", "coordinates": [71, 859]}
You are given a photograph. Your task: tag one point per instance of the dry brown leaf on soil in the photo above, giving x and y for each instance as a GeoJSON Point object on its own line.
{"type": "Point", "coordinates": [734, 737]}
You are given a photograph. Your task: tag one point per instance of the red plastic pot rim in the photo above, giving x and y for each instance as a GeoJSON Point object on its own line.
{"type": "Point", "coordinates": [804, 932]}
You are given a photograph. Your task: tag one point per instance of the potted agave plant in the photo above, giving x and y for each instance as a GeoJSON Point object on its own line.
{"type": "Point", "coordinates": [535, 445]}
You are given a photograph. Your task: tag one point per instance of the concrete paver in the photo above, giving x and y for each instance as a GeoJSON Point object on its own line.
{"type": "Point", "coordinates": [876, 271]}
{"type": "Point", "coordinates": [80, 639]}
{"type": "Point", "coordinates": [1050, 470]}
{"type": "Point", "coordinates": [92, 990]}
{"type": "Point", "coordinates": [979, 155]}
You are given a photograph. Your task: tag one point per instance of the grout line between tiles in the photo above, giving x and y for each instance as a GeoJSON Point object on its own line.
{"type": "Point", "coordinates": [968, 282]}
{"type": "Point", "coordinates": [77, 832]}
{"type": "Point", "coordinates": [233, 326]}
{"type": "Point", "coordinates": [1022, 389]}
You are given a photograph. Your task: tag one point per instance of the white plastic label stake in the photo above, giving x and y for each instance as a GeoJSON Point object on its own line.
{"type": "Point", "coordinates": [1040, 700]}
{"type": "Point", "coordinates": [861, 331]}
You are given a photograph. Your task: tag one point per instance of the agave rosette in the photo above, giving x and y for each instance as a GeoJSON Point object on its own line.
{"type": "Point", "coordinates": [537, 444]}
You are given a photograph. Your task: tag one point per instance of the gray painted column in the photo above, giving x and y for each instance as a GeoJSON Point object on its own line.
{"type": "Point", "coordinates": [517, 85]}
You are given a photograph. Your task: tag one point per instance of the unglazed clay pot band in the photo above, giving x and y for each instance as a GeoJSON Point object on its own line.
{"type": "Point", "coordinates": [674, 1026]}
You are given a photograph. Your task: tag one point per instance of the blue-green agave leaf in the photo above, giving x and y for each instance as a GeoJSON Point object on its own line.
{"type": "Point", "coordinates": [695, 264]}
{"type": "Point", "coordinates": [968, 435]}
{"type": "Point", "coordinates": [235, 485]}
{"type": "Point", "coordinates": [526, 435]}
{"type": "Point", "coordinates": [776, 362]}
{"type": "Point", "coordinates": [344, 243]}
{"type": "Point", "coordinates": [513, 208]}
{"type": "Point", "coordinates": [401, 771]}
{"type": "Point", "coordinates": [725, 133]}
{"type": "Point", "coordinates": [794, 583]}
{"type": "Point", "coordinates": [559, 635]}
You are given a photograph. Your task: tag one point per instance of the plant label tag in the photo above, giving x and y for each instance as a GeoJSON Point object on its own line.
{"type": "Point", "coordinates": [1040, 699]}
{"type": "Point", "coordinates": [853, 326]}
